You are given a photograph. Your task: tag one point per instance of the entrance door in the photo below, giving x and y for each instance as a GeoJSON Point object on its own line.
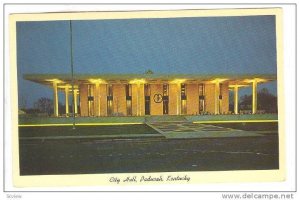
{"type": "Point", "coordinates": [165, 99]}
{"type": "Point", "coordinates": [165, 105]}
{"type": "Point", "coordinates": [147, 93]}
{"type": "Point", "coordinates": [147, 105]}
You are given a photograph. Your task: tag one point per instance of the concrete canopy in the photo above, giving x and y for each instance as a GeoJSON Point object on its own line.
{"type": "Point", "coordinates": [231, 79]}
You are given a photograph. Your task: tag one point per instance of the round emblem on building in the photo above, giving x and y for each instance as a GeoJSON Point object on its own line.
{"type": "Point", "coordinates": [157, 98]}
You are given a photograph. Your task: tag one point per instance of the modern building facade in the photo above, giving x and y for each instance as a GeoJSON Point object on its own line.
{"type": "Point", "coordinates": [148, 94]}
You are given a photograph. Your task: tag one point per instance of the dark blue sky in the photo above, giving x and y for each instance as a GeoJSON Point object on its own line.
{"type": "Point", "coordinates": [206, 45]}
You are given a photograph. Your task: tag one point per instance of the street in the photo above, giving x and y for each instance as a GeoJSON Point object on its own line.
{"type": "Point", "coordinates": [88, 156]}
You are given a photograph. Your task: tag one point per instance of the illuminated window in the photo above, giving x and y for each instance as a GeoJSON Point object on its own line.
{"type": "Point", "coordinates": [183, 99]}
{"type": "Point", "coordinates": [109, 90]}
{"type": "Point", "coordinates": [147, 93]}
{"type": "Point", "coordinates": [128, 107]}
{"type": "Point", "coordinates": [220, 98]}
{"type": "Point", "coordinates": [90, 100]}
{"type": "Point", "coordinates": [201, 98]}
{"type": "Point", "coordinates": [128, 99]}
{"type": "Point", "coordinates": [147, 90]}
{"type": "Point", "coordinates": [128, 90]}
{"type": "Point", "coordinates": [165, 99]}
{"type": "Point", "coordinates": [165, 90]}
{"type": "Point", "coordinates": [201, 89]}
{"type": "Point", "coordinates": [183, 90]}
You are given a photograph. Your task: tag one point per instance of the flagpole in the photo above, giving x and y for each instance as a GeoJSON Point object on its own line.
{"type": "Point", "coordinates": [72, 72]}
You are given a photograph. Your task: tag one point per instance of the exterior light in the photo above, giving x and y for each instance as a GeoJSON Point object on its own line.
{"type": "Point", "coordinates": [258, 80]}
{"type": "Point", "coordinates": [97, 81]}
{"type": "Point", "coordinates": [68, 86]}
{"type": "Point", "coordinates": [219, 80]}
{"type": "Point", "coordinates": [64, 86]}
{"type": "Point", "coordinates": [54, 80]}
{"type": "Point", "coordinates": [137, 81]}
{"type": "Point", "coordinates": [237, 85]}
{"type": "Point", "coordinates": [178, 81]}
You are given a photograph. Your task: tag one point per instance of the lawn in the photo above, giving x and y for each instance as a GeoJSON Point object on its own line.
{"type": "Point", "coordinates": [85, 130]}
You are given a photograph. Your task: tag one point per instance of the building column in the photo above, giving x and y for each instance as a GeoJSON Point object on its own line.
{"type": "Point", "coordinates": [97, 99]}
{"type": "Point", "coordinates": [67, 100]}
{"type": "Point", "coordinates": [141, 93]}
{"type": "Point", "coordinates": [138, 103]}
{"type": "Point", "coordinates": [83, 96]}
{"type": "Point", "coordinates": [75, 101]}
{"type": "Point", "coordinates": [178, 98]}
{"type": "Point", "coordinates": [55, 99]}
{"type": "Point", "coordinates": [254, 96]}
{"type": "Point", "coordinates": [217, 94]}
{"type": "Point", "coordinates": [236, 100]}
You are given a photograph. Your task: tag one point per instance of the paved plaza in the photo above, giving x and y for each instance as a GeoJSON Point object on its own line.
{"type": "Point", "coordinates": [185, 129]}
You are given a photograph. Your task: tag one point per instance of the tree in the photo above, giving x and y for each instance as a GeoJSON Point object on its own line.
{"type": "Point", "coordinates": [44, 105]}
{"type": "Point", "coordinates": [245, 102]}
{"type": "Point", "coordinates": [23, 102]}
{"type": "Point", "coordinates": [149, 71]}
{"type": "Point", "coordinates": [265, 101]}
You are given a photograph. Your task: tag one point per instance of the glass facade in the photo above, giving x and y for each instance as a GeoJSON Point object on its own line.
{"type": "Point", "coordinates": [183, 99]}
{"type": "Point", "coordinates": [165, 99]}
{"type": "Point", "coordinates": [201, 98]}
{"type": "Point", "coordinates": [128, 91]}
{"type": "Point", "coordinates": [91, 100]}
{"type": "Point", "coordinates": [220, 99]}
{"type": "Point", "coordinates": [147, 93]}
{"type": "Point", "coordinates": [109, 90]}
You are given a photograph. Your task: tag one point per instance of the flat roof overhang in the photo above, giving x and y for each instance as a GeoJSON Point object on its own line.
{"type": "Point", "coordinates": [66, 79]}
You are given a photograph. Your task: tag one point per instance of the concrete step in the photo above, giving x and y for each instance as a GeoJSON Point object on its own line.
{"type": "Point", "coordinates": [165, 118]}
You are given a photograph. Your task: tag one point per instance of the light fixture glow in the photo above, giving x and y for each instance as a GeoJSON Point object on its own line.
{"type": "Point", "coordinates": [178, 81]}
{"type": "Point", "coordinates": [137, 81]}
{"type": "Point", "coordinates": [237, 85]}
{"type": "Point", "coordinates": [258, 80]}
{"type": "Point", "coordinates": [54, 80]}
{"type": "Point", "coordinates": [68, 86]}
{"type": "Point", "coordinates": [97, 81]}
{"type": "Point", "coordinates": [219, 80]}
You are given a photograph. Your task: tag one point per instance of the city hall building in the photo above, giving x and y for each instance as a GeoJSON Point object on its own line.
{"type": "Point", "coordinates": [148, 94]}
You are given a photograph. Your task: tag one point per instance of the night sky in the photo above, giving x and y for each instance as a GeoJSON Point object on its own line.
{"type": "Point", "coordinates": [202, 45]}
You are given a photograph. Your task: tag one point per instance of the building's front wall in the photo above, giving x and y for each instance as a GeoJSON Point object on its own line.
{"type": "Point", "coordinates": [96, 100]}
{"type": "Point", "coordinates": [210, 98]}
{"type": "Point", "coordinates": [142, 100]}
{"type": "Point", "coordinates": [156, 108]}
{"type": "Point", "coordinates": [135, 99]}
{"type": "Point", "coordinates": [138, 100]}
{"type": "Point", "coordinates": [99, 105]}
{"type": "Point", "coordinates": [225, 99]}
{"type": "Point", "coordinates": [103, 99]}
{"type": "Point", "coordinates": [192, 99]}
{"type": "Point", "coordinates": [83, 93]}
{"type": "Point", "coordinates": [119, 99]}
{"type": "Point", "coordinates": [173, 98]}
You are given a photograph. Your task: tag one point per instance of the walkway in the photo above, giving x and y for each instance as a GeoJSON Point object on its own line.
{"type": "Point", "coordinates": [185, 129]}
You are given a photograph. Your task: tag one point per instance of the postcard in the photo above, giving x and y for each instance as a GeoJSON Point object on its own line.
{"type": "Point", "coordinates": [147, 97]}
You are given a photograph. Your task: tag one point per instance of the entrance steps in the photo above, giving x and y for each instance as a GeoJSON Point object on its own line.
{"type": "Point", "coordinates": [165, 118]}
